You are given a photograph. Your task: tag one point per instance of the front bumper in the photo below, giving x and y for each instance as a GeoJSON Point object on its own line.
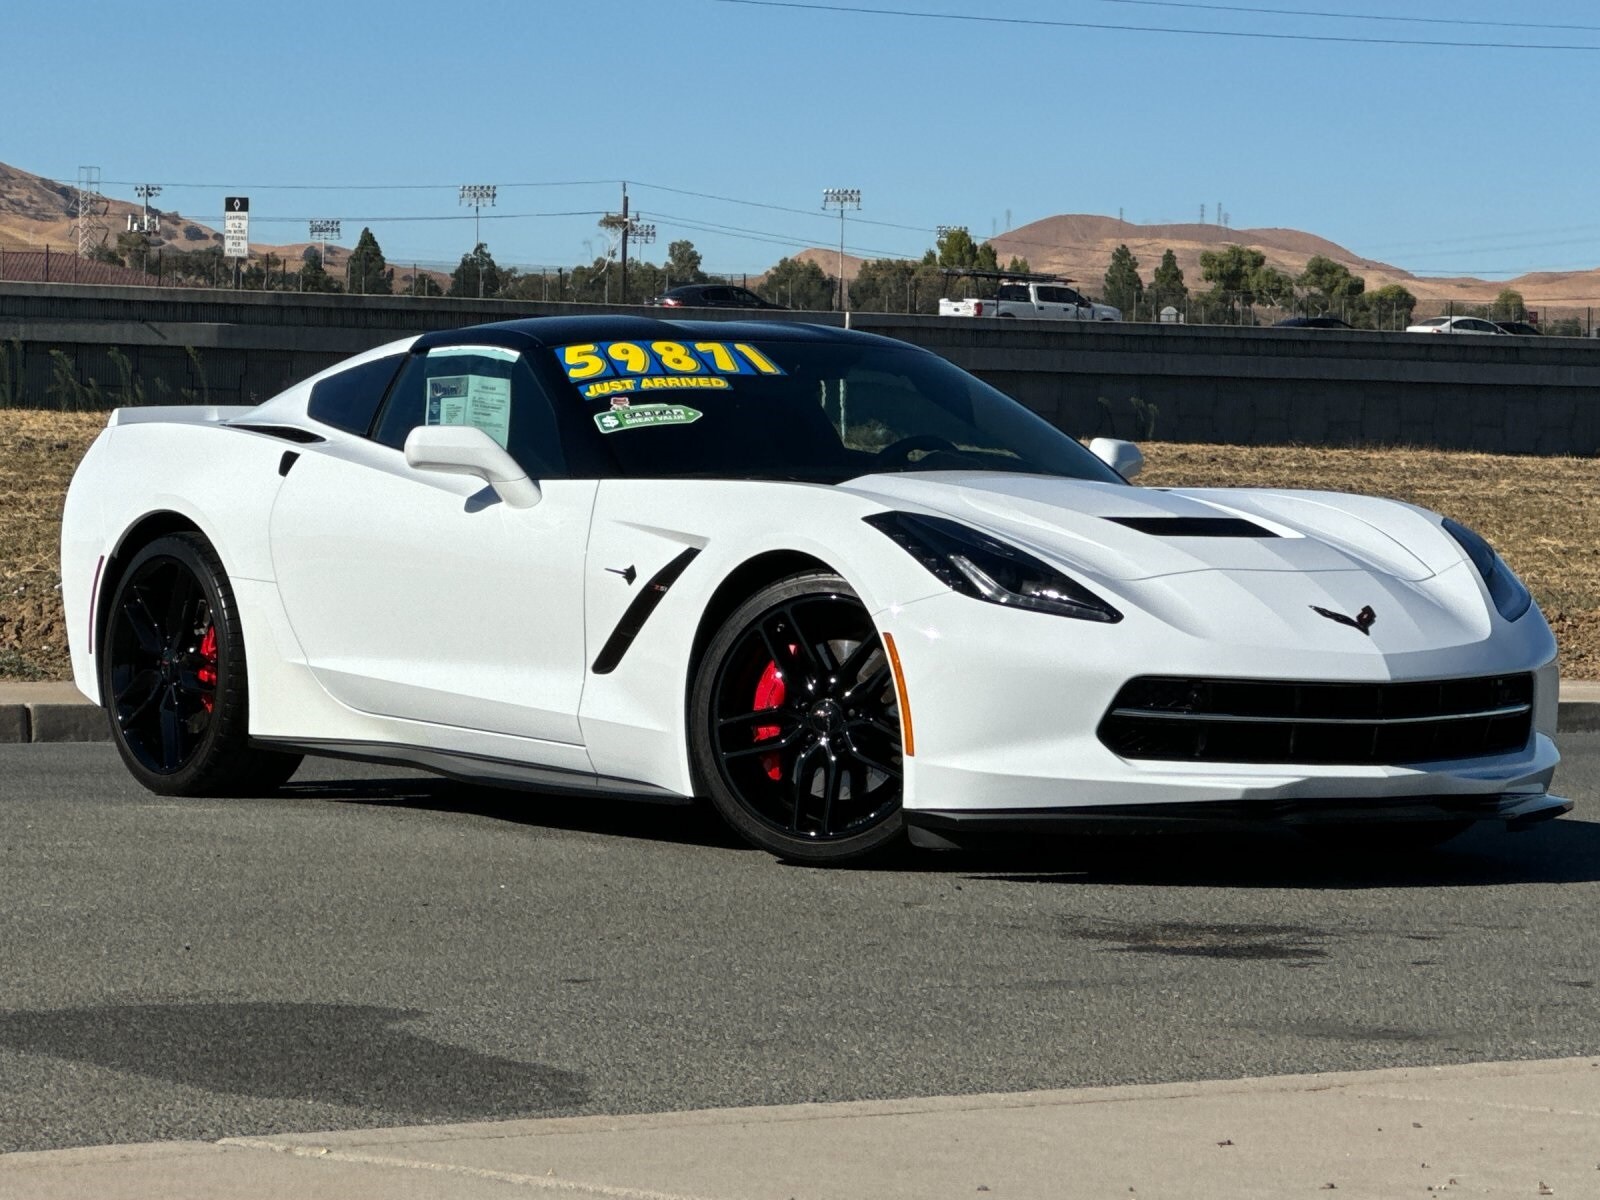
{"type": "Point", "coordinates": [945, 830]}
{"type": "Point", "coordinates": [1006, 705]}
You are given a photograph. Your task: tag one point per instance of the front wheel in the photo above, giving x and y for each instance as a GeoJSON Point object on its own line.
{"type": "Point", "coordinates": [172, 674]}
{"type": "Point", "coordinates": [795, 724]}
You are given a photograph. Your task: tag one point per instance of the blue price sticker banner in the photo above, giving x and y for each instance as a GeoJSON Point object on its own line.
{"type": "Point", "coordinates": [585, 361]}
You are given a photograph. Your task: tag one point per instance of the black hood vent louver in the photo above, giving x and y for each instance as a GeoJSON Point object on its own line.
{"type": "Point", "coordinates": [1212, 527]}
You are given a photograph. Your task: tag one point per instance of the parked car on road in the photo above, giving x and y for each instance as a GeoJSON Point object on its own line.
{"type": "Point", "coordinates": [1455, 325]}
{"type": "Point", "coordinates": [830, 582]}
{"type": "Point", "coordinates": [711, 295]}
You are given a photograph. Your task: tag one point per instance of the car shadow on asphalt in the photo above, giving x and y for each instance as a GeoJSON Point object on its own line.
{"type": "Point", "coordinates": [602, 814]}
{"type": "Point", "coordinates": [1558, 851]}
{"type": "Point", "coordinates": [1564, 850]}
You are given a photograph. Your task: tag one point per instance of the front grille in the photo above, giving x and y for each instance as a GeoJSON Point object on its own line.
{"type": "Point", "coordinates": [1264, 721]}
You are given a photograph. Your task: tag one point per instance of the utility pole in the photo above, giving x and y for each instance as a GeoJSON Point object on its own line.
{"type": "Point", "coordinates": [627, 229]}
{"type": "Point", "coordinates": [477, 195]}
{"type": "Point", "coordinates": [841, 198]}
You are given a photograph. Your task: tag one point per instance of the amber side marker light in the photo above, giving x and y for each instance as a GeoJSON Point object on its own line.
{"type": "Point", "coordinates": [910, 746]}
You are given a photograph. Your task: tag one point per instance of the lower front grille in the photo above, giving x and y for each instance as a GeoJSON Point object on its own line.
{"type": "Point", "coordinates": [1268, 721]}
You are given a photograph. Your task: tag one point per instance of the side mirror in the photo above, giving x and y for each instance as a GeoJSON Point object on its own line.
{"type": "Point", "coordinates": [468, 450]}
{"type": "Point", "coordinates": [1122, 457]}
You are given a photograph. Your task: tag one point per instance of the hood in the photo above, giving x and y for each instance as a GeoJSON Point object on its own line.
{"type": "Point", "coordinates": [1131, 533]}
{"type": "Point", "coordinates": [1231, 568]}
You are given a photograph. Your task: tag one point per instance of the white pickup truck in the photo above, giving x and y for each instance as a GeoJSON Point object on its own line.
{"type": "Point", "coordinates": [1039, 301]}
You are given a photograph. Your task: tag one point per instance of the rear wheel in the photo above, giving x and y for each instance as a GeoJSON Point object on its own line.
{"type": "Point", "coordinates": [796, 724]}
{"type": "Point", "coordinates": [172, 673]}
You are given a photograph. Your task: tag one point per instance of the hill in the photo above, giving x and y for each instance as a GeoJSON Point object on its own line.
{"type": "Point", "coordinates": [1079, 246]}
{"type": "Point", "coordinates": [36, 212]}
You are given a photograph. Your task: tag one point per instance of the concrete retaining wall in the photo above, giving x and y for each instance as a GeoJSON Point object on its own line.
{"type": "Point", "coordinates": [1177, 383]}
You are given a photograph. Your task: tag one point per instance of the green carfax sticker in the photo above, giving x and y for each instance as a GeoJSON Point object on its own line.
{"type": "Point", "coordinates": [642, 416]}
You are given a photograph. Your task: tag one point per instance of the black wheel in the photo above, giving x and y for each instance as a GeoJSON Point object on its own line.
{"type": "Point", "coordinates": [1382, 841]}
{"type": "Point", "coordinates": [172, 673]}
{"type": "Point", "coordinates": [795, 728]}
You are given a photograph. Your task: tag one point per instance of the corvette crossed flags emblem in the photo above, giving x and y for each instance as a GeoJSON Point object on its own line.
{"type": "Point", "coordinates": [1363, 620]}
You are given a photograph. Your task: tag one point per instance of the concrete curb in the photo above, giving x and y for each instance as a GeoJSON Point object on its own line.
{"type": "Point", "coordinates": [55, 712]}
{"type": "Point", "coordinates": [1499, 1130]}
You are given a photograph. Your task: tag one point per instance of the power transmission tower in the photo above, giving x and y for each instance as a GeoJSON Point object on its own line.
{"type": "Point", "coordinates": [91, 206]}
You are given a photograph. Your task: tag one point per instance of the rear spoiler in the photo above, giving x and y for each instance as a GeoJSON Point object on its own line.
{"type": "Point", "coordinates": [179, 414]}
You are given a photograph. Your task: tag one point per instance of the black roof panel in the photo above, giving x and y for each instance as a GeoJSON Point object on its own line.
{"type": "Point", "coordinates": [531, 333]}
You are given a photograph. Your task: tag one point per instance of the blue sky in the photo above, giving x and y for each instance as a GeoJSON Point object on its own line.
{"type": "Point", "coordinates": [1439, 159]}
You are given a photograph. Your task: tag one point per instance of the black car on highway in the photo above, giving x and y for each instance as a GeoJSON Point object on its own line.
{"type": "Point", "coordinates": [1322, 322]}
{"type": "Point", "coordinates": [711, 295]}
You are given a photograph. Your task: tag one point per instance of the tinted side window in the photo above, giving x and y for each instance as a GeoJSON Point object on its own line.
{"type": "Point", "coordinates": [492, 389]}
{"type": "Point", "coordinates": [1011, 291]}
{"type": "Point", "coordinates": [350, 399]}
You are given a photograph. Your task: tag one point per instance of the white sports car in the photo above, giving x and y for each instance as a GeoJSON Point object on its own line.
{"type": "Point", "coordinates": [827, 580]}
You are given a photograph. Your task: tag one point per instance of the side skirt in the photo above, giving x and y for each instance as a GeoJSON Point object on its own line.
{"type": "Point", "coordinates": [478, 769]}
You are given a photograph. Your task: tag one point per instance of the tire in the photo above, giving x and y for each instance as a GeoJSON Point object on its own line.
{"type": "Point", "coordinates": [173, 676]}
{"type": "Point", "coordinates": [795, 724]}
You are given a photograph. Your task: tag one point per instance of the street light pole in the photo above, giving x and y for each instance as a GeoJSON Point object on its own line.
{"type": "Point", "coordinates": [321, 230]}
{"type": "Point", "coordinates": [477, 195]}
{"type": "Point", "coordinates": [841, 198]}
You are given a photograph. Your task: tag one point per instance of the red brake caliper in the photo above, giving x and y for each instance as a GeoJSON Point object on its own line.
{"type": "Point", "coordinates": [770, 693]}
{"type": "Point", "coordinates": [207, 674]}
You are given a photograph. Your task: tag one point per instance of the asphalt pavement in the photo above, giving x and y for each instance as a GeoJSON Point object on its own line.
{"type": "Point", "coordinates": [374, 948]}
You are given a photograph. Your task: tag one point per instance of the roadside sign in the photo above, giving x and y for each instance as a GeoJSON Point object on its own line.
{"type": "Point", "coordinates": [236, 227]}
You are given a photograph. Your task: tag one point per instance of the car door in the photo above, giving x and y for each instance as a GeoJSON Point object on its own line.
{"type": "Point", "coordinates": [421, 595]}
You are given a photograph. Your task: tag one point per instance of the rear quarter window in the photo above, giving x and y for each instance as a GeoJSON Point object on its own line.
{"type": "Point", "coordinates": [350, 399]}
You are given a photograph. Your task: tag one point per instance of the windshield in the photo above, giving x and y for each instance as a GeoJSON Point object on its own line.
{"type": "Point", "coordinates": [817, 412]}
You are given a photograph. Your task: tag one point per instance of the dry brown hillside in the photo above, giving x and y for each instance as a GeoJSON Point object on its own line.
{"type": "Point", "coordinates": [1079, 246]}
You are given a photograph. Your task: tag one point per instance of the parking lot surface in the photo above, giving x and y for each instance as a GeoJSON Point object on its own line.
{"type": "Point", "coordinates": [377, 948]}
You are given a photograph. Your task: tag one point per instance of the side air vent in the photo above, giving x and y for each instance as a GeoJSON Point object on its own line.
{"type": "Point", "coordinates": [1216, 527]}
{"type": "Point", "coordinates": [288, 433]}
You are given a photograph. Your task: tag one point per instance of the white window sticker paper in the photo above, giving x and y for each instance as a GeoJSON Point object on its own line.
{"type": "Point", "coordinates": [483, 401]}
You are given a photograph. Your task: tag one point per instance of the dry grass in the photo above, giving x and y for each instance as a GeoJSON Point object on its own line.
{"type": "Point", "coordinates": [1542, 513]}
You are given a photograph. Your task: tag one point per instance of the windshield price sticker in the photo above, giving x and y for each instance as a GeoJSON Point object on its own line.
{"type": "Point", "coordinates": [602, 388]}
{"type": "Point", "coordinates": [644, 416]}
{"type": "Point", "coordinates": [669, 360]}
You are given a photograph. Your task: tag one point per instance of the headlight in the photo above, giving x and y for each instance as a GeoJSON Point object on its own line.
{"type": "Point", "coordinates": [1511, 598]}
{"type": "Point", "coordinates": [977, 565]}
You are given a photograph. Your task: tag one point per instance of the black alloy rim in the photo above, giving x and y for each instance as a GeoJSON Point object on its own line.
{"type": "Point", "coordinates": [163, 665]}
{"type": "Point", "coordinates": [805, 720]}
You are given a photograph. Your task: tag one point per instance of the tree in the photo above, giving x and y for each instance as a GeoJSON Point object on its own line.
{"type": "Point", "coordinates": [1274, 287]}
{"type": "Point", "coordinates": [1233, 273]}
{"type": "Point", "coordinates": [1123, 287]}
{"type": "Point", "coordinates": [1508, 306]}
{"type": "Point", "coordinates": [476, 275]}
{"type": "Point", "coordinates": [420, 284]}
{"type": "Point", "coordinates": [1330, 286]}
{"type": "Point", "coordinates": [267, 274]}
{"type": "Point", "coordinates": [312, 276]}
{"type": "Point", "coordinates": [1389, 307]}
{"type": "Point", "coordinates": [1167, 286]}
{"type": "Point", "coordinates": [365, 270]}
{"type": "Point", "coordinates": [798, 285]}
{"type": "Point", "coordinates": [885, 285]}
{"type": "Point", "coordinates": [683, 263]}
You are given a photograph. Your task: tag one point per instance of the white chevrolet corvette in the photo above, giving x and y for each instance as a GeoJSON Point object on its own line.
{"type": "Point", "coordinates": [825, 579]}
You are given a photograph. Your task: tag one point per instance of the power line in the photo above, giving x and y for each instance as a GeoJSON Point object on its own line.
{"type": "Point", "coordinates": [1349, 16]}
{"type": "Point", "coordinates": [354, 187]}
{"type": "Point", "coordinates": [804, 212]}
{"type": "Point", "coordinates": [985, 18]}
{"type": "Point", "coordinates": [449, 217]}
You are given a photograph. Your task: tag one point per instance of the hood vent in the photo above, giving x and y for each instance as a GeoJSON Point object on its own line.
{"type": "Point", "coordinates": [1211, 527]}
